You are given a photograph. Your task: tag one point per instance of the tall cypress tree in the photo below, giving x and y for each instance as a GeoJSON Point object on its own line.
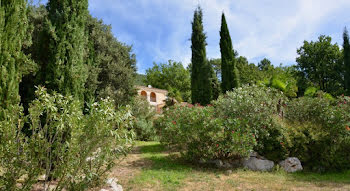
{"type": "Point", "coordinates": [346, 53]}
{"type": "Point", "coordinates": [66, 71]}
{"type": "Point", "coordinates": [13, 32]}
{"type": "Point", "coordinates": [229, 72]}
{"type": "Point", "coordinates": [201, 72]}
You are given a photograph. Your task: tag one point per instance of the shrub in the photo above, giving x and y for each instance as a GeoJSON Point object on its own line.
{"type": "Point", "coordinates": [310, 91]}
{"type": "Point", "coordinates": [319, 129]}
{"type": "Point", "coordinates": [198, 134]}
{"type": "Point", "coordinates": [259, 108]}
{"type": "Point", "coordinates": [143, 120]}
{"type": "Point", "coordinates": [278, 84]}
{"type": "Point", "coordinates": [66, 146]}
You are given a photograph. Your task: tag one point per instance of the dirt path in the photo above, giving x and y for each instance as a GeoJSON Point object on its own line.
{"type": "Point", "coordinates": [129, 167]}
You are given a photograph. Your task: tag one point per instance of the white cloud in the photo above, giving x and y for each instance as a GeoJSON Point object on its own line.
{"type": "Point", "coordinates": [259, 28]}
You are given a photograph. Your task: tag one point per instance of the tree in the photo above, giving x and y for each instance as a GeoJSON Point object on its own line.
{"type": "Point", "coordinates": [13, 36]}
{"type": "Point", "coordinates": [321, 63]}
{"type": "Point", "coordinates": [201, 71]}
{"type": "Point", "coordinates": [66, 71]}
{"type": "Point", "coordinates": [111, 64]}
{"type": "Point", "coordinates": [38, 53]}
{"type": "Point", "coordinates": [249, 73]}
{"type": "Point", "coordinates": [171, 76]}
{"type": "Point", "coordinates": [265, 64]}
{"type": "Point", "coordinates": [229, 75]}
{"type": "Point", "coordinates": [216, 65]}
{"type": "Point", "coordinates": [346, 55]}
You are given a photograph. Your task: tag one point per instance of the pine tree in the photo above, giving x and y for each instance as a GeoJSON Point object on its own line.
{"type": "Point", "coordinates": [13, 31]}
{"type": "Point", "coordinates": [230, 76]}
{"type": "Point", "coordinates": [346, 53]}
{"type": "Point", "coordinates": [66, 71]}
{"type": "Point", "coordinates": [201, 74]}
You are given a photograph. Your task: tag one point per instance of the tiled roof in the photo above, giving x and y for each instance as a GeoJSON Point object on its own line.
{"type": "Point", "coordinates": [152, 89]}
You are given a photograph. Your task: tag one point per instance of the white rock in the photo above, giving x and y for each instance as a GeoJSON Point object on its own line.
{"type": "Point", "coordinates": [218, 163]}
{"type": "Point", "coordinates": [258, 164]}
{"type": "Point", "coordinates": [113, 185]}
{"type": "Point", "coordinates": [291, 164]}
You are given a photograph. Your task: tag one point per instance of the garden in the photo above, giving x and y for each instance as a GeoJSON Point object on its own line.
{"type": "Point", "coordinates": [71, 118]}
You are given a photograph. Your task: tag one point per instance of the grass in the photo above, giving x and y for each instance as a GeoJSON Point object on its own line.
{"type": "Point", "coordinates": [166, 171]}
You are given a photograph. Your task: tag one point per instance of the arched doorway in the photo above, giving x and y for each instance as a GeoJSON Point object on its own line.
{"type": "Point", "coordinates": [144, 94]}
{"type": "Point", "coordinates": [153, 97]}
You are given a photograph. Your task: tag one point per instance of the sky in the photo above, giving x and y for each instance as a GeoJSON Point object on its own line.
{"type": "Point", "coordinates": [160, 30]}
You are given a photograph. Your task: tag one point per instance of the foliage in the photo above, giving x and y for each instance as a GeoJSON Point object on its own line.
{"type": "Point", "coordinates": [310, 91]}
{"type": "Point", "coordinates": [265, 64]}
{"type": "Point", "coordinates": [248, 73]}
{"type": "Point", "coordinates": [201, 73]}
{"type": "Point", "coordinates": [321, 63]}
{"type": "Point", "coordinates": [320, 131]}
{"type": "Point", "coordinates": [116, 65]}
{"type": "Point", "coordinates": [38, 52]}
{"type": "Point", "coordinates": [260, 108]}
{"type": "Point", "coordinates": [143, 119]}
{"type": "Point", "coordinates": [229, 72]}
{"type": "Point", "coordinates": [66, 146]}
{"type": "Point", "coordinates": [109, 64]}
{"type": "Point", "coordinates": [140, 80]}
{"type": "Point", "coordinates": [13, 62]}
{"type": "Point", "coordinates": [66, 71]}
{"type": "Point", "coordinates": [278, 84]}
{"type": "Point", "coordinates": [172, 77]}
{"type": "Point", "coordinates": [346, 57]}
{"type": "Point", "coordinates": [198, 134]}
{"type": "Point", "coordinates": [216, 65]}
{"type": "Point", "coordinates": [215, 85]}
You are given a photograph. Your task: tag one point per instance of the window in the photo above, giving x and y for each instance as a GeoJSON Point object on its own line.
{"type": "Point", "coordinates": [153, 97]}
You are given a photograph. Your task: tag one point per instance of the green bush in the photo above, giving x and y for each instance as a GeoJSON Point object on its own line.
{"type": "Point", "coordinates": [261, 108]}
{"type": "Point", "coordinates": [197, 133]}
{"type": "Point", "coordinates": [278, 84]}
{"type": "Point", "coordinates": [143, 120]}
{"type": "Point", "coordinates": [320, 133]}
{"type": "Point", "coordinates": [69, 148]}
{"type": "Point", "coordinates": [310, 92]}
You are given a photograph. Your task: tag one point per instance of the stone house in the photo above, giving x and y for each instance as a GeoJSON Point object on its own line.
{"type": "Point", "coordinates": [155, 97]}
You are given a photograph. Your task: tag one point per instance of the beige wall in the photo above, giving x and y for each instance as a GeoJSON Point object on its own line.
{"type": "Point", "coordinates": [156, 97]}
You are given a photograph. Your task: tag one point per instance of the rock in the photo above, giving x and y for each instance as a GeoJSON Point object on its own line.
{"type": "Point", "coordinates": [228, 172]}
{"type": "Point", "coordinates": [202, 161]}
{"type": "Point", "coordinates": [227, 165]}
{"type": "Point", "coordinates": [218, 163]}
{"type": "Point", "coordinates": [254, 154]}
{"type": "Point", "coordinates": [291, 164]}
{"type": "Point", "coordinates": [113, 185]}
{"type": "Point", "coordinates": [258, 164]}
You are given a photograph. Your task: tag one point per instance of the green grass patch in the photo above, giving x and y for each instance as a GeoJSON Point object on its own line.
{"type": "Point", "coordinates": [339, 177]}
{"type": "Point", "coordinates": [169, 172]}
{"type": "Point", "coordinates": [165, 173]}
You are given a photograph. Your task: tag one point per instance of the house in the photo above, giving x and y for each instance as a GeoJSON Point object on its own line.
{"type": "Point", "coordinates": [155, 97]}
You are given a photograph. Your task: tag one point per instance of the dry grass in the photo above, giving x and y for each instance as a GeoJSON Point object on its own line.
{"type": "Point", "coordinates": [150, 168]}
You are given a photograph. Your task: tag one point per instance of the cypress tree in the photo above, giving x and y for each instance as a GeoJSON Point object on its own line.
{"type": "Point", "coordinates": [346, 53]}
{"type": "Point", "coordinates": [229, 72]}
{"type": "Point", "coordinates": [66, 71]}
{"type": "Point", "coordinates": [13, 32]}
{"type": "Point", "coordinates": [201, 74]}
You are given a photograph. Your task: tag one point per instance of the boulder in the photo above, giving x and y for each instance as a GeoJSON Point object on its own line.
{"type": "Point", "coordinates": [291, 164]}
{"type": "Point", "coordinates": [257, 164]}
{"type": "Point", "coordinates": [113, 185]}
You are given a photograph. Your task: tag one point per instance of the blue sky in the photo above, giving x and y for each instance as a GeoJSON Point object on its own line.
{"type": "Point", "coordinates": [160, 30]}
